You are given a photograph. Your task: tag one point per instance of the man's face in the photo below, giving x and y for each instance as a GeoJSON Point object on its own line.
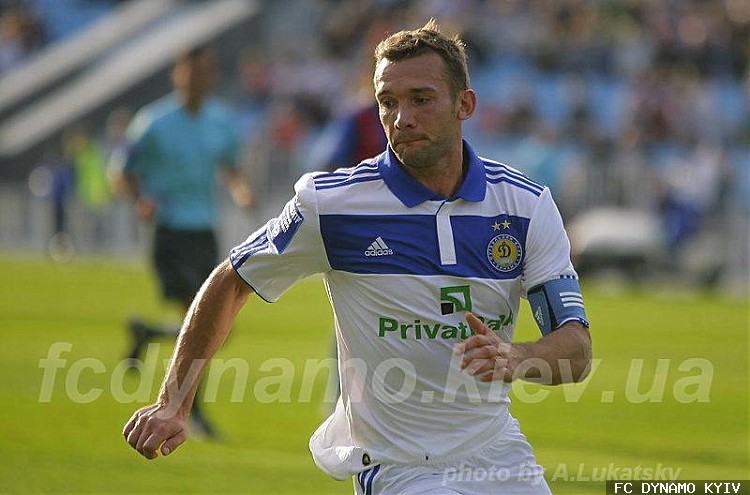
{"type": "Point", "coordinates": [419, 116]}
{"type": "Point", "coordinates": [195, 77]}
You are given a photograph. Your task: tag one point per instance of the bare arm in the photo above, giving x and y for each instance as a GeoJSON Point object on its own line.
{"type": "Point", "coordinates": [562, 356]}
{"type": "Point", "coordinates": [129, 188]}
{"type": "Point", "coordinates": [124, 185]}
{"type": "Point", "coordinates": [162, 425]}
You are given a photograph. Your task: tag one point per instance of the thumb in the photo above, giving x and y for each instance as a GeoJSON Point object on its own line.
{"type": "Point", "coordinates": [171, 444]}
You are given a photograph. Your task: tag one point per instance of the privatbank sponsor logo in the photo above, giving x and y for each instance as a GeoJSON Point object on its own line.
{"type": "Point", "coordinates": [453, 299]}
{"type": "Point", "coordinates": [431, 330]}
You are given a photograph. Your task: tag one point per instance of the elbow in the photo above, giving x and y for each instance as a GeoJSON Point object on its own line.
{"type": "Point", "coordinates": [581, 370]}
{"type": "Point", "coordinates": [238, 287]}
{"type": "Point", "coordinates": [226, 284]}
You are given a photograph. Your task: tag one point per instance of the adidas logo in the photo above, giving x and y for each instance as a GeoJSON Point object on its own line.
{"type": "Point", "coordinates": [378, 248]}
{"type": "Point", "coordinates": [539, 316]}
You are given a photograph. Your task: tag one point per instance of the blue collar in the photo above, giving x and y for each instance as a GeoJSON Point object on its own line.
{"type": "Point", "coordinates": [411, 192]}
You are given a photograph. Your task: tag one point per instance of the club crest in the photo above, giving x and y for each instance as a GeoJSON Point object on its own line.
{"type": "Point", "coordinates": [504, 252]}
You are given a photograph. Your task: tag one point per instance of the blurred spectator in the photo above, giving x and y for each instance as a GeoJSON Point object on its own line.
{"type": "Point", "coordinates": [356, 134]}
{"type": "Point", "coordinates": [356, 137]}
{"type": "Point", "coordinates": [20, 35]}
{"type": "Point", "coordinates": [57, 167]}
{"type": "Point", "coordinates": [89, 162]}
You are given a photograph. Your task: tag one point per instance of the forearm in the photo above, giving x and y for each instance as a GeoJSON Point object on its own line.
{"type": "Point", "coordinates": [562, 356]}
{"type": "Point", "coordinates": [206, 326]}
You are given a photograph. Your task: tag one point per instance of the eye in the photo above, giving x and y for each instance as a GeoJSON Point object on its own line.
{"type": "Point", "coordinates": [387, 103]}
{"type": "Point", "coordinates": [421, 100]}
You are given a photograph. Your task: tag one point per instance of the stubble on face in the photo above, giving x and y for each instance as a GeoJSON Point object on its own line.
{"type": "Point", "coordinates": [424, 153]}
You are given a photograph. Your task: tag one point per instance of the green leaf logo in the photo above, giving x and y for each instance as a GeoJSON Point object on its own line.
{"type": "Point", "coordinates": [456, 298]}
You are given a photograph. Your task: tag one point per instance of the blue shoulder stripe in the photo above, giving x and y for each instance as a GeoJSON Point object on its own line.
{"type": "Point", "coordinates": [320, 181]}
{"type": "Point", "coordinates": [254, 244]}
{"type": "Point", "coordinates": [338, 175]}
{"type": "Point", "coordinates": [501, 169]}
{"type": "Point", "coordinates": [347, 182]}
{"type": "Point", "coordinates": [516, 177]}
{"type": "Point", "coordinates": [533, 190]}
{"type": "Point", "coordinates": [344, 173]}
{"type": "Point", "coordinates": [496, 170]}
{"type": "Point", "coordinates": [501, 166]}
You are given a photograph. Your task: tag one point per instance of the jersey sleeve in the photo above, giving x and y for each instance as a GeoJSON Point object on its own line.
{"type": "Point", "coordinates": [286, 249]}
{"type": "Point", "coordinates": [140, 148]}
{"type": "Point", "coordinates": [547, 246]}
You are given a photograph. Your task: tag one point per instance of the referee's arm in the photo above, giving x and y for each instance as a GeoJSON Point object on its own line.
{"type": "Point", "coordinates": [239, 189]}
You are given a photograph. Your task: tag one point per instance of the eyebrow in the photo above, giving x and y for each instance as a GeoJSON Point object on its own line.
{"type": "Point", "coordinates": [424, 89]}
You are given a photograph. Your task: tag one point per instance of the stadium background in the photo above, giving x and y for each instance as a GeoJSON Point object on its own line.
{"type": "Point", "coordinates": [635, 113]}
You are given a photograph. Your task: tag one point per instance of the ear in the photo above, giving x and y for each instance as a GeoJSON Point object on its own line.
{"type": "Point", "coordinates": [467, 103]}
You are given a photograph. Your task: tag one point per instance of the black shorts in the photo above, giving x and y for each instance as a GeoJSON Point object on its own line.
{"type": "Point", "coordinates": [183, 260]}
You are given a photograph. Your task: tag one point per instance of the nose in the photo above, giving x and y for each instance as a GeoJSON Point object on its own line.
{"type": "Point", "coordinates": [404, 118]}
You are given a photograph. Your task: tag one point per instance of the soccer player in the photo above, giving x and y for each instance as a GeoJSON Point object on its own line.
{"type": "Point", "coordinates": [177, 147]}
{"type": "Point", "coordinates": [426, 250]}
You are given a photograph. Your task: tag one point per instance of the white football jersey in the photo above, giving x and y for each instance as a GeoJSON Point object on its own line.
{"type": "Point", "coordinates": [401, 267]}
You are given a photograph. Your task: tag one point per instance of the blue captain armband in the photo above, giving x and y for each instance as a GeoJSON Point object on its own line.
{"type": "Point", "coordinates": [556, 302]}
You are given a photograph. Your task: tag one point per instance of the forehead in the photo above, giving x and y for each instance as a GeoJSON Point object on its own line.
{"type": "Point", "coordinates": [423, 71]}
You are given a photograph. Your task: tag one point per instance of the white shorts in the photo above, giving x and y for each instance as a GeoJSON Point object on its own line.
{"type": "Point", "coordinates": [506, 465]}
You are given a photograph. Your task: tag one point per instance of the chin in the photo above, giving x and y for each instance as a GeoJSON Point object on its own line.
{"type": "Point", "coordinates": [412, 157]}
{"type": "Point", "coordinates": [417, 160]}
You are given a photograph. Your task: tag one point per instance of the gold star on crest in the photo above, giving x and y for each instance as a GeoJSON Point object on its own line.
{"type": "Point", "coordinates": [496, 226]}
{"type": "Point", "coordinates": [505, 224]}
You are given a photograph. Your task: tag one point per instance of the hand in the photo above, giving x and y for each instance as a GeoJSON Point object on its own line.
{"type": "Point", "coordinates": [155, 428]}
{"type": "Point", "coordinates": [239, 190]}
{"type": "Point", "coordinates": [486, 355]}
{"type": "Point", "coordinates": [244, 198]}
{"type": "Point", "coordinates": [145, 208]}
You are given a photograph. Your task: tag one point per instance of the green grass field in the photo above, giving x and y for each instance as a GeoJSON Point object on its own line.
{"type": "Point", "coordinates": [669, 394]}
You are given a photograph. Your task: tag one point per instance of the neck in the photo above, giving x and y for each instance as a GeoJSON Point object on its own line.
{"type": "Point", "coordinates": [192, 104]}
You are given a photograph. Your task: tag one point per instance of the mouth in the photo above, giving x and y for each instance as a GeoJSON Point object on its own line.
{"type": "Point", "coordinates": [409, 141]}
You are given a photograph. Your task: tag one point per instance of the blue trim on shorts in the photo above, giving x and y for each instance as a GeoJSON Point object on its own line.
{"type": "Point", "coordinates": [365, 483]}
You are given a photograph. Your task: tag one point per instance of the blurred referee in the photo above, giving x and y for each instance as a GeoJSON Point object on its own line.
{"type": "Point", "coordinates": [179, 148]}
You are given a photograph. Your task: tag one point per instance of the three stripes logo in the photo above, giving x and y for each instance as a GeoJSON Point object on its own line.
{"type": "Point", "coordinates": [571, 299]}
{"type": "Point", "coordinates": [378, 248]}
